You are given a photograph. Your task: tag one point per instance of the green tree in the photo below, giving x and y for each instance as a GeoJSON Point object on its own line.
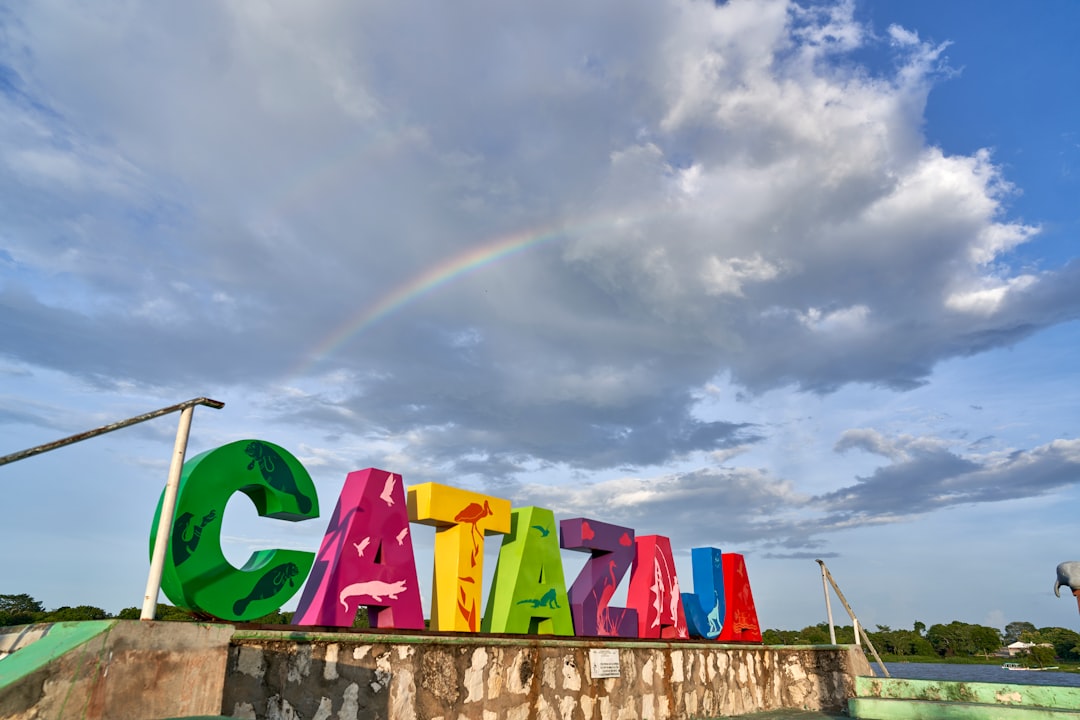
{"type": "Point", "coordinates": [780, 637]}
{"type": "Point", "coordinates": [959, 638]}
{"type": "Point", "coordinates": [1041, 655]}
{"type": "Point", "coordinates": [947, 640]}
{"type": "Point", "coordinates": [275, 618]}
{"type": "Point", "coordinates": [69, 614]}
{"type": "Point", "coordinates": [984, 639]}
{"type": "Point", "coordinates": [1065, 641]}
{"type": "Point", "coordinates": [20, 610]}
{"type": "Point", "coordinates": [164, 612]}
{"type": "Point", "coordinates": [923, 648]}
{"type": "Point", "coordinates": [810, 635]}
{"type": "Point", "coordinates": [1015, 630]}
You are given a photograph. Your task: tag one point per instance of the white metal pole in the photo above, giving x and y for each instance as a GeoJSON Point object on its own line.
{"type": "Point", "coordinates": [168, 508]}
{"type": "Point", "coordinates": [828, 605]}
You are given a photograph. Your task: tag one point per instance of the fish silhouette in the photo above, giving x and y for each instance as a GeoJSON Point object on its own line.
{"type": "Point", "coordinates": [268, 585]}
{"type": "Point", "coordinates": [276, 472]}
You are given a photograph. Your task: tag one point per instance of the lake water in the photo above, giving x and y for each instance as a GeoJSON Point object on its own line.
{"type": "Point", "coordinates": [978, 673]}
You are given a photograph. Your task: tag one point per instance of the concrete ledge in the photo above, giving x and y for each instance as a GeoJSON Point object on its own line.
{"type": "Point", "coordinates": [897, 709]}
{"type": "Point", "coordinates": [1000, 694]}
{"type": "Point", "coordinates": [114, 670]}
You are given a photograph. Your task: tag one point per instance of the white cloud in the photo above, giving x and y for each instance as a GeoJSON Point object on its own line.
{"type": "Point", "coordinates": [274, 201]}
{"type": "Point", "coordinates": [732, 201]}
{"type": "Point", "coordinates": [990, 298]}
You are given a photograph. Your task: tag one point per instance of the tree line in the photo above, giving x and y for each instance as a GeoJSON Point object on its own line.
{"type": "Point", "coordinates": [23, 609]}
{"type": "Point", "coordinates": [956, 639]}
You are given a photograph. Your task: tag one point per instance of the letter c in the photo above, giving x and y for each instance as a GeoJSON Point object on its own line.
{"type": "Point", "coordinates": [196, 576]}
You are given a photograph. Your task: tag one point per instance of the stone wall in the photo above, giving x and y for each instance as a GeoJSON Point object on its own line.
{"type": "Point", "coordinates": [317, 676]}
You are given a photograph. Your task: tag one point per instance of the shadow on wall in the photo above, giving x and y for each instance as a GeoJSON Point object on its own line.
{"type": "Point", "coordinates": [284, 680]}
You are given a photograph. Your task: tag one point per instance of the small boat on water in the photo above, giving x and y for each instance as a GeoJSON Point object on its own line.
{"type": "Point", "coordinates": [1018, 666]}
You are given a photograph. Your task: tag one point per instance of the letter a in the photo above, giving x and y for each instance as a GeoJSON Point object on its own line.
{"type": "Point", "coordinates": [366, 558]}
{"type": "Point", "coordinates": [528, 591]}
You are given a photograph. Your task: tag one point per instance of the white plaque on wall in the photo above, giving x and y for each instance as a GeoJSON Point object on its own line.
{"type": "Point", "coordinates": [604, 662]}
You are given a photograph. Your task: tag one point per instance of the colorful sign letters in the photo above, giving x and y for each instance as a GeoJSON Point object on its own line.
{"type": "Point", "coordinates": [366, 559]}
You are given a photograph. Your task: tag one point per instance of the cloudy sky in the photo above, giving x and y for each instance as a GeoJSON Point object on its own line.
{"type": "Point", "coordinates": [796, 281]}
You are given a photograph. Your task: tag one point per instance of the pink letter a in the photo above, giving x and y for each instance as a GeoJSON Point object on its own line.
{"type": "Point", "coordinates": [366, 558]}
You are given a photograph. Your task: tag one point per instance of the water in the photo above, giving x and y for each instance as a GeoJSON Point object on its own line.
{"type": "Point", "coordinates": [978, 673]}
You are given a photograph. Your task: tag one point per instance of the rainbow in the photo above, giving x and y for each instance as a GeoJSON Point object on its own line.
{"type": "Point", "coordinates": [435, 277]}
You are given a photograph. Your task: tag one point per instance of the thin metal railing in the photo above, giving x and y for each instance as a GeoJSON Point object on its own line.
{"type": "Point", "coordinates": [859, 631]}
{"type": "Point", "coordinates": [172, 485]}
{"type": "Point", "coordinates": [22, 454]}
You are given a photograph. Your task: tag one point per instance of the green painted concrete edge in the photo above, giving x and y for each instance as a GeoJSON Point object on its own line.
{"type": "Point", "coordinates": [996, 694]}
{"type": "Point", "coordinates": [896, 709]}
{"type": "Point", "coordinates": [59, 639]}
{"type": "Point", "coordinates": [361, 638]}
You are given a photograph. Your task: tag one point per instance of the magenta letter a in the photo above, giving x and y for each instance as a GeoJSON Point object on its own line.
{"type": "Point", "coordinates": [366, 558]}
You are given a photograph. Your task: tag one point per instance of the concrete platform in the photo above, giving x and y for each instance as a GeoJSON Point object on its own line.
{"type": "Point", "coordinates": [112, 669]}
{"type": "Point", "coordinates": [132, 670]}
{"type": "Point", "coordinates": [904, 699]}
{"type": "Point", "coordinates": [792, 715]}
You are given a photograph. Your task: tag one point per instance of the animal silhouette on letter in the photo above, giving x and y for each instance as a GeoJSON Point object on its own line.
{"type": "Point", "coordinates": [547, 600]}
{"type": "Point", "coordinates": [276, 472]}
{"type": "Point", "coordinates": [374, 589]}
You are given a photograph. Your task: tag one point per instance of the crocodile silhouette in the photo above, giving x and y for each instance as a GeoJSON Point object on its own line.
{"type": "Point", "coordinates": [375, 589]}
{"type": "Point", "coordinates": [548, 599]}
{"type": "Point", "coordinates": [276, 472]}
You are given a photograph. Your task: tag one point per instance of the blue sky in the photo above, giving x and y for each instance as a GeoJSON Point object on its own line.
{"type": "Point", "coordinates": [796, 282]}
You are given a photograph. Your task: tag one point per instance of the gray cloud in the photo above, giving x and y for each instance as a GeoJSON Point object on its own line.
{"type": "Point", "coordinates": [743, 508]}
{"type": "Point", "coordinates": [208, 197]}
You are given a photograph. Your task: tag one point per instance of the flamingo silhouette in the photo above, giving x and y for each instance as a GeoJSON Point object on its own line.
{"type": "Point", "coordinates": [604, 624]}
{"type": "Point", "coordinates": [473, 514]}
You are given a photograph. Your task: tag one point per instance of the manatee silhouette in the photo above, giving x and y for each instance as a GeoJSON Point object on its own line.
{"type": "Point", "coordinates": [275, 471]}
{"type": "Point", "coordinates": [268, 585]}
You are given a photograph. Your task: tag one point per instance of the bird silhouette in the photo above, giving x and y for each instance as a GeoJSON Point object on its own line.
{"type": "Point", "coordinates": [473, 514]}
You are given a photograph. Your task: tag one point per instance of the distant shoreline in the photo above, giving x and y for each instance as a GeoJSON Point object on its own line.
{"type": "Point", "coordinates": [1062, 665]}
